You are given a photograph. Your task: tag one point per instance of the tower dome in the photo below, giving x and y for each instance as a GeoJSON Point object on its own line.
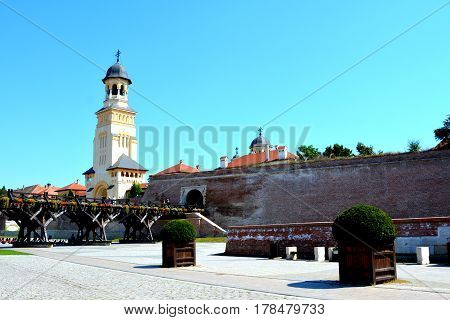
{"type": "Point", "coordinates": [117, 70]}
{"type": "Point", "coordinates": [259, 143]}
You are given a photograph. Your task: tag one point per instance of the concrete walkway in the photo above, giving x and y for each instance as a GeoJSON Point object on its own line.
{"type": "Point", "coordinates": [296, 279]}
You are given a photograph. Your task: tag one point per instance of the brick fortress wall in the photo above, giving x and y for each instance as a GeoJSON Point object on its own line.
{"type": "Point", "coordinates": [409, 185]}
{"type": "Point", "coordinates": [255, 240]}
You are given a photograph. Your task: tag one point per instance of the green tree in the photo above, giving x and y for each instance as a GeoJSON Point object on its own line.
{"type": "Point", "coordinates": [444, 132]}
{"type": "Point", "coordinates": [135, 191]}
{"type": "Point", "coordinates": [305, 152]}
{"type": "Point", "coordinates": [414, 146]}
{"type": "Point", "coordinates": [364, 150]}
{"type": "Point", "coordinates": [337, 150]}
{"type": "Point", "coordinates": [3, 191]}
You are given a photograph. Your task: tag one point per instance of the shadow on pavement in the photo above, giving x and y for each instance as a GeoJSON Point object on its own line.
{"type": "Point", "coordinates": [441, 265]}
{"type": "Point", "coordinates": [317, 284]}
{"type": "Point", "coordinates": [155, 266]}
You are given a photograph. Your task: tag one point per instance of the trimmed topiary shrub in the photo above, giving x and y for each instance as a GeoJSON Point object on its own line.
{"type": "Point", "coordinates": [178, 231]}
{"type": "Point", "coordinates": [364, 223]}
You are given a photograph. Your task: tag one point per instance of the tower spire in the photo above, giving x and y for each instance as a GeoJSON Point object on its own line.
{"type": "Point", "coordinates": [237, 153]}
{"type": "Point", "coordinates": [118, 55]}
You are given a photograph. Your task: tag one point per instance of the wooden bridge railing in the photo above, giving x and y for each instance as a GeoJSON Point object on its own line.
{"type": "Point", "coordinates": [33, 213]}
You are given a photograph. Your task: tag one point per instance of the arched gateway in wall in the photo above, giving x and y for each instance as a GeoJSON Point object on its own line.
{"type": "Point", "coordinates": [101, 191]}
{"type": "Point", "coordinates": [194, 198]}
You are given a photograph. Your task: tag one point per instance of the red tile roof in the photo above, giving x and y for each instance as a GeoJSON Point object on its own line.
{"type": "Point", "coordinates": [30, 189]}
{"type": "Point", "coordinates": [38, 189]}
{"type": "Point", "coordinates": [76, 188]}
{"type": "Point", "coordinates": [144, 186]}
{"type": "Point", "coordinates": [179, 168]}
{"type": "Point", "coordinates": [51, 190]}
{"type": "Point", "coordinates": [257, 158]}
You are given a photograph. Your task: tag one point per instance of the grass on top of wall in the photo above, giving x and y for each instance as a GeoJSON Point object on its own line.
{"type": "Point", "coordinates": [212, 239]}
{"type": "Point", "coordinates": [7, 252]}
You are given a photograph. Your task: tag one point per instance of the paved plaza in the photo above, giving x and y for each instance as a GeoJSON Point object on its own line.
{"type": "Point", "coordinates": [132, 271]}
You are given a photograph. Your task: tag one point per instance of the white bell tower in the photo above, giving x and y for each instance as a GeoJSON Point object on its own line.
{"type": "Point", "coordinates": [115, 167]}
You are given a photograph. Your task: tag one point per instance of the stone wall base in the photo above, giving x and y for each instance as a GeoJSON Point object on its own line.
{"type": "Point", "coordinates": [256, 240]}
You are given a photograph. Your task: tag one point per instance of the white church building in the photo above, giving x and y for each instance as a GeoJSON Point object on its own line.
{"type": "Point", "coordinates": [115, 166]}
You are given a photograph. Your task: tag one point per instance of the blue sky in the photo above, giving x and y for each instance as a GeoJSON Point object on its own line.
{"type": "Point", "coordinates": [218, 63]}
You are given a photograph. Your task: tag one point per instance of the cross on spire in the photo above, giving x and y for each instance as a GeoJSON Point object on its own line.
{"type": "Point", "coordinates": [118, 55]}
{"type": "Point", "coordinates": [260, 131]}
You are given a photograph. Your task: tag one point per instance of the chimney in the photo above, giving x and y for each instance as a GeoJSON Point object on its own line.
{"type": "Point", "coordinates": [223, 162]}
{"type": "Point", "coordinates": [181, 161]}
{"type": "Point", "coordinates": [77, 181]}
{"type": "Point", "coordinates": [282, 152]}
{"type": "Point", "coordinates": [267, 153]}
{"type": "Point", "coordinates": [198, 167]}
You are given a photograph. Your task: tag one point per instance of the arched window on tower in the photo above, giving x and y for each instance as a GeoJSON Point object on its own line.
{"type": "Point", "coordinates": [114, 90]}
{"type": "Point", "coordinates": [122, 91]}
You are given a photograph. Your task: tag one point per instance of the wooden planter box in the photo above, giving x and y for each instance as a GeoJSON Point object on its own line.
{"type": "Point", "coordinates": [448, 252]}
{"type": "Point", "coordinates": [359, 264]}
{"type": "Point", "coordinates": [178, 254]}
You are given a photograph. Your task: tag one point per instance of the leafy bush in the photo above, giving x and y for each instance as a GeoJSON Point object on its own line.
{"type": "Point", "coordinates": [337, 151]}
{"type": "Point", "coordinates": [305, 152]}
{"type": "Point", "coordinates": [442, 133]}
{"type": "Point", "coordinates": [178, 231]}
{"type": "Point", "coordinates": [414, 146]}
{"type": "Point", "coordinates": [364, 223]}
{"type": "Point", "coordinates": [364, 150]}
{"type": "Point", "coordinates": [135, 191]}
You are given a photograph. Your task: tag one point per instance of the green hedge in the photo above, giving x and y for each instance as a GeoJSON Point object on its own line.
{"type": "Point", "coordinates": [364, 223]}
{"type": "Point", "coordinates": [179, 231]}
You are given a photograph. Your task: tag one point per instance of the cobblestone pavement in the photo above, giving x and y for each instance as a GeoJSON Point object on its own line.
{"type": "Point", "coordinates": [132, 271]}
{"type": "Point", "coordinates": [33, 277]}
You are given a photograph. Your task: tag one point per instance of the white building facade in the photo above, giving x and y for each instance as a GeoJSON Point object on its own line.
{"type": "Point", "coordinates": [115, 167]}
